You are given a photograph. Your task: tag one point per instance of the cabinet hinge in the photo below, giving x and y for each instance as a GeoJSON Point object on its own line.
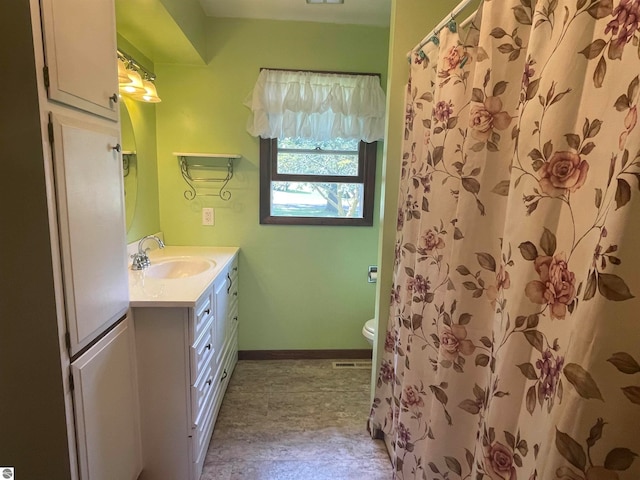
{"type": "Point", "coordinates": [71, 384]}
{"type": "Point", "coordinates": [50, 130]}
{"type": "Point", "coordinates": [45, 72]}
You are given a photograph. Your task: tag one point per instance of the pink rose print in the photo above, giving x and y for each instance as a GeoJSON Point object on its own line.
{"type": "Point", "coordinates": [430, 241]}
{"type": "Point", "coordinates": [564, 172]}
{"type": "Point", "coordinates": [411, 397]}
{"type": "Point", "coordinates": [452, 59]}
{"type": "Point", "coordinates": [498, 462]}
{"type": "Point", "coordinates": [556, 286]}
{"type": "Point", "coordinates": [443, 110]}
{"type": "Point", "coordinates": [487, 116]}
{"type": "Point", "coordinates": [453, 342]}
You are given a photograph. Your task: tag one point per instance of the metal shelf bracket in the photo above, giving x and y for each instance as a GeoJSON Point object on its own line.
{"type": "Point", "coordinates": [127, 156]}
{"type": "Point", "coordinates": [203, 172]}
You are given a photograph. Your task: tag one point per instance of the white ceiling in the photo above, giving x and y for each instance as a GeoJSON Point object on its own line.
{"type": "Point", "coordinates": [361, 12]}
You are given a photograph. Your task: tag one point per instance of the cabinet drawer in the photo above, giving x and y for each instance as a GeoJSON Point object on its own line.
{"type": "Point", "coordinates": [201, 392]}
{"type": "Point", "coordinates": [202, 315]}
{"type": "Point", "coordinates": [202, 433]}
{"type": "Point", "coordinates": [201, 353]}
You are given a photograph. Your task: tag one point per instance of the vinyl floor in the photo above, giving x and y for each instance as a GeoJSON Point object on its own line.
{"type": "Point", "coordinates": [295, 419]}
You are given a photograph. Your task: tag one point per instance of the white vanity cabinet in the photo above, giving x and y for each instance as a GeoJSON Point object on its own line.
{"type": "Point", "coordinates": [81, 71]}
{"type": "Point", "coordinates": [186, 355]}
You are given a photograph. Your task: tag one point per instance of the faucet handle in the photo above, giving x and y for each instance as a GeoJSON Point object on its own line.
{"type": "Point", "coordinates": [140, 261]}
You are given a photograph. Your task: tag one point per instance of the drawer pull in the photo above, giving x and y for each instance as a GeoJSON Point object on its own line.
{"type": "Point", "coordinates": [208, 347]}
{"type": "Point", "coordinates": [114, 98]}
{"type": "Point", "coordinates": [209, 381]}
{"type": "Point", "coordinates": [235, 294]}
{"type": "Point", "coordinates": [207, 311]}
{"type": "Point", "coordinates": [235, 318]}
{"type": "Point", "coordinates": [235, 269]}
{"type": "Point", "coordinates": [224, 375]}
{"type": "Point", "coordinates": [229, 287]}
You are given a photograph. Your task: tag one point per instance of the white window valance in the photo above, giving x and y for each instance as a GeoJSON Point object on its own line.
{"type": "Point", "coordinates": [319, 106]}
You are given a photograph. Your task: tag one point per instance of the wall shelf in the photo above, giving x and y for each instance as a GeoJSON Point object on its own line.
{"type": "Point", "coordinates": [204, 172]}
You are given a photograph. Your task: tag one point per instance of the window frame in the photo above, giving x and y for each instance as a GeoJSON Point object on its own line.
{"type": "Point", "coordinates": [367, 153]}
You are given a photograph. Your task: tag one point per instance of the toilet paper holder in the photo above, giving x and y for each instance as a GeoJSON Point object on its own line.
{"type": "Point", "coordinates": [372, 274]}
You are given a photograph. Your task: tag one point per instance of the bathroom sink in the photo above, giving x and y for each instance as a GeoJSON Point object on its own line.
{"type": "Point", "coordinates": [179, 267]}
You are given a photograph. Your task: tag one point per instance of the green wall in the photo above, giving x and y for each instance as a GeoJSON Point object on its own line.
{"type": "Point", "coordinates": [301, 287]}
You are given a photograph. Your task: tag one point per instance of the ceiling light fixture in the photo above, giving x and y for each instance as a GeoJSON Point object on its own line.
{"type": "Point", "coordinates": [150, 94]}
{"type": "Point", "coordinates": [136, 81]}
{"type": "Point", "coordinates": [134, 85]}
{"type": "Point", "coordinates": [123, 75]}
{"type": "Point", "coordinates": [325, 1]}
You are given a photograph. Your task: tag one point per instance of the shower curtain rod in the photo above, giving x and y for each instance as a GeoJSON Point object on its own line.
{"type": "Point", "coordinates": [454, 13]}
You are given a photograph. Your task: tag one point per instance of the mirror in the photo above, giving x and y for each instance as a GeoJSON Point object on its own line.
{"type": "Point", "coordinates": [129, 164]}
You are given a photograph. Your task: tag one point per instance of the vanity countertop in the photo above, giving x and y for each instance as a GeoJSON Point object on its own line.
{"type": "Point", "coordinates": [147, 291]}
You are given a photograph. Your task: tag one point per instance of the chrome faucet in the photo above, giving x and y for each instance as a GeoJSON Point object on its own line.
{"type": "Point", "coordinates": [141, 259]}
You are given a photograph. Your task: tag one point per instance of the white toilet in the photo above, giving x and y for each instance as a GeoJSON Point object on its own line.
{"type": "Point", "coordinates": [369, 330]}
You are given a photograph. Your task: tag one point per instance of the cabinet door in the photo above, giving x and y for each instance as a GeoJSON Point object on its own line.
{"type": "Point", "coordinates": [232, 307]}
{"type": "Point", "coordinates": [88, 174]}
{"type": "Point", "coordinates": [221, 298]}
{"type": "Point", "coordinates": [106, 408]}
{"type": "Point", "coordinates": [80, 51]}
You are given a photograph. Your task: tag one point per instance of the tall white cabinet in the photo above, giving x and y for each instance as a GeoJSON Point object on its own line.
{"type": "Point", "coordinates": [73, 340]}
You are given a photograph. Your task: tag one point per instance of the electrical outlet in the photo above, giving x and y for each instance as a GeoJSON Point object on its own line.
{"type": "Point", "coordinates": [208, 217]}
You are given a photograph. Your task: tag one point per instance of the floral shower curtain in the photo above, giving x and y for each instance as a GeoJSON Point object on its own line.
{"type": "Point", "coordinates": [513, 344]}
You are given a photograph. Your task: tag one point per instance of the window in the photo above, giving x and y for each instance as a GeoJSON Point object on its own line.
{"type": "Point", "coordinates": [309, 182]}
{"type": "Point", "coordinates": [318, 138]}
